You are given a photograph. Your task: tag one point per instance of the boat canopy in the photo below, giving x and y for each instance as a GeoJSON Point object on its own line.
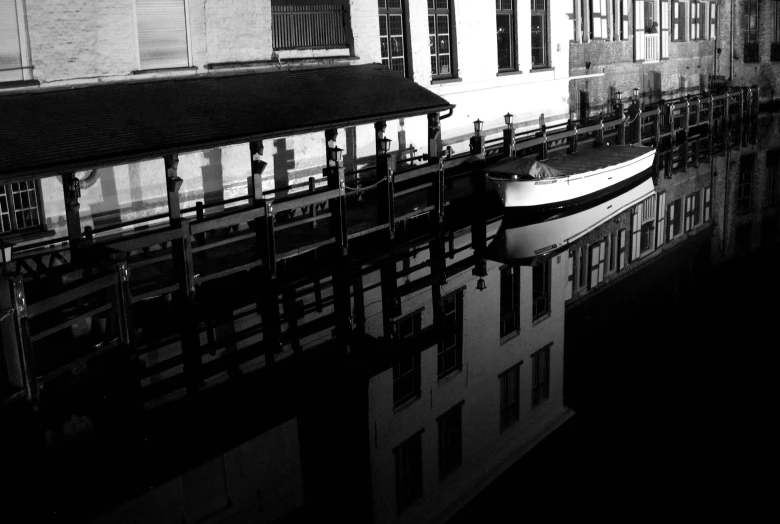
{"type": "Point", "coordinates": [522, 168]}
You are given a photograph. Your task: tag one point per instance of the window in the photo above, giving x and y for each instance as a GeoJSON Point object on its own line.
{"type": "Point", "coordinates": [20, 207]}
{"type": "Point", "coordinates": [661, 214]}
{"type": "Point", "coordinates": [312, 24]}
{"type": "Point", "coordinates": [406, 366]}
{"type": "Point", "coordinates": [697, 20]}
{"type": "Point", "coordinates": [450, 440]}
{"type": "Point", "coordinates": [581, 267]}
{"type": "Point", "coordinates": [540, 380]}
{"type": "Point", "coordinates": [673, 224]}
{"type": "Point", "coordinates": [678, 20]}
{"type": "Point", "coordinates": [392, 24]}
{"type": "Point", "coordinates": [442, 39]}
{"type": "Point", "coordinates": [539, 54]}
{"type": "Point", "coordinates": [647, 237]}
{"type": "Point", "coordinates": [745, 183]}
{"type": "Point", "coordinates": [775, 55]}
{"type": "Point", "coordinates": [692, 208]}
{"type": "Point", "coordinates": [505, 34]}
{"type": "Point", "coordinates": [15, 63]}
{"type": "Point", "coordinates": [162, 33]}
{"type": "Point", "coordinates": [772, 175]}
{"type": "Point", "coordinates": [598, 19]}
{"type": "Point", "coordinates": [636, 233]}
{"type": "Point", "coordinates": [541, 289]}
{"type": "Point", "coordinates": [612, 251]}
{"type": "Point", "coordinates": [408, 472]}
{"type": "Point", "coordinates": [750, 31]}
{"type": "Point", "coordinates": [707, 203]}
{"type": "Point", "coordinates": [450, 356]}
{"type": "Point", "coordinates": [597, 255]}
{"type": "Point", "coordinates": [510, 300]}
{"type": "Point", "coordinates": [510, 396]}
{"type": "Point", "coordinates": [650, 17]}
{"type": "Point", "coordinates": [621, 251]}
{"type": "Point", "coordinates": [620, 9]}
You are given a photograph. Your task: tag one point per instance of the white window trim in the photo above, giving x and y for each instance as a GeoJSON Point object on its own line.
{"type": "Point", "coordinates": [138, 45]}
{"type": "Point", "coordinates": [24, 42]}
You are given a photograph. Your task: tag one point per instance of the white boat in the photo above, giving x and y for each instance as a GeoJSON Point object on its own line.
{"type": "Point", "coordinates": [523, 238]}
{"type": "Point", "coordinates": [568, 179]}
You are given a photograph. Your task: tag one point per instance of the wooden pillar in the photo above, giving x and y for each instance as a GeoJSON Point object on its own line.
{"type": "Point", "coordinates": [434, 138]}
{"type": "Point", "coordinates": [71, 193]}
{"type": "Point", "coordinates": [385, 167]}
{"type": "Point", "coordinates": [391, 302]}
{"type": "Point", "coordinates": [573, 139]}
{"type": "Point", "coordinates": [543, 146]}
{"type": "Point", "coordinates": [599, 132]}
{"type": "Point", "coordinates": [173, 183]}
{"type": "Point", "coordinates": [291, 315]}
{"type": "Point", "coordinates": [15, 336]}
{"type": "Point", "coordinates": [657, 127]}
{"type": "Point", "coordinates": [671, 123]}
{"type": "Point", "coordinates": [638, 124]}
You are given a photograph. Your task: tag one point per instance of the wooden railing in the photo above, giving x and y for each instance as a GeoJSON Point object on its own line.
{"type": "Point", "coordinates": [310, 26]}
{"type": "Point", "coordinates": [652, 48]}
{"type": "Point", "coordinates": [184, 299]}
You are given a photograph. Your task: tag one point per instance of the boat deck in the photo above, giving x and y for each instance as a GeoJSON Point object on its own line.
{"type": "Point", "coordinates": [592, 159]}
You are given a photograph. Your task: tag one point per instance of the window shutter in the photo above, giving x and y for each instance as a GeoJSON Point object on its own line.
{"type": "Point", "coordinates": [162, 33]}
{"type": "Point", "coordinates": [670, 222]}
{"type": "Point", "coordinates": [713, 21]}
{"type": "Point", "coordinates": [639, 30]}
{"type": "Point", "coordinates": [570, 278]}
{"type": "Point", "coordinates": [664, 30]}
{"type": "Point", "coordinates": [707, 203]}
{"type": "Point", "coordinates": [687, 223]}
{"type": "Point", "coordinates": [704, 17]}
{"type": "Point", "coordinates": [10, 47]}
{"type": "Point", "coordinates": [602, 257]}
{"type": "Point", "coordinates": [660, 228]}
{"type": "Point", "coordinates": [621, 262]}
{"type": "Point", "coordinates": [636, 231]}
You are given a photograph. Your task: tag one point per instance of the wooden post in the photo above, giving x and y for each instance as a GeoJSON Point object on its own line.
{"type": "Point", "coordinates": [386, 189]}
{"type": "Point", "coordinates": [358, 294]}
{"type": "Point", "coordinates": [391, 303]}
{"type": "Point", "coordinates": [15, 333]}
{"type": "Point", "coordinates": [173, 183]}
{"type": "Point", "coordinates": [657, 127]}
{"type": "Point", "coordinates": [434, 138]}
{"type": "Point", "coordinates": [620, 113]}
{"type": "Point", "coordinates": [572, 140]}
{"type": "Point", "coordinates": [672, 131]}
{"type": "Point", "coordinates": [184, 301]}
{"type": "Point", "coordinates": [509, 141]}
{"type": "Point", "coordinates": [123, 306]}
{"type": "Point", "coordinates": [312, 188]}
{"type": "Point", "coordinates": [291, 315]}
{"type": "Point", "coordinates": [200, 214]}
{"type": "Point", "coordinates": [599, 135]}
{"type": "Point", "coordinates": [638, 124]}
{"type": "Point", "coordinates": [71, 193]}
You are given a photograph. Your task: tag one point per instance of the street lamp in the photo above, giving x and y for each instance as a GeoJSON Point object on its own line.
{"type": "Point", "coordinates": [334, 155]}
{"type": "Point", "coordinates": [508, 119]}
{"type": "Point", "coordinates": [478, 126]}
{"type": "Point", "coordinates": [384, 145]}
{"type": "Point", "coordinates": [481, 286]}
{"type": "Point", "coordinates": [618, 96]}
{"type": "Point", "coordinates": [636, 92]}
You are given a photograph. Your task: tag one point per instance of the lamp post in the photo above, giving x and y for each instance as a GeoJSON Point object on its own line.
{"type": "Point", "coordinates": [509, 135]}
{"type": "Point", "coordinates": [477, 142]}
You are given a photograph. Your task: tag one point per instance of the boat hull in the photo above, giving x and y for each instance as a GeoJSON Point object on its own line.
{"type": "Point", "coordinates": [571, 190]}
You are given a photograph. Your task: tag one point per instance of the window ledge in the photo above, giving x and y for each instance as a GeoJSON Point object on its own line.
{"type": "Point", "coordinates": [435, 81]}
{"type": "Point", "coordinates": [284, 64]}
{"type": "Point", "coordinates": [405, 404]}
{"type": "Point", "coordinates": [509, 73]}
{"type": "Point", "coordinates": [541, 69]}
{"type": "Point", "coordinates": [449, 376]}
{"type": "Point", "coordinates": [509, 337]}
{"type": "Point", "coordinates": [19, 83]}
{"type": "Point", "coordinates": [541, 318]}
{"type": "Point", "coordinates": [164, 70]}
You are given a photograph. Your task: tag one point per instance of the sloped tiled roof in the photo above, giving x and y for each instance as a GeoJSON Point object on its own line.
{"type": "Point", "coordinates": [48, 132]}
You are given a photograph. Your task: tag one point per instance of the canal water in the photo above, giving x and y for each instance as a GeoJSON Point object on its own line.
{"type": "Point", "coordinates": [611, 359]}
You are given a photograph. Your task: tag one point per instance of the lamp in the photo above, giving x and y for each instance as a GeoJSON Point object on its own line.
{"type": "Point", "coordinates": [384, 145]}
{"type": "Point", "coordinates": [508, 119]}
{"type": "Point", "coordinates": [478, 126]}
{"type": "Point", "coordinates": [636, 92]}
{"type": "Point", "coordinates": [6, 248]}
{"type": "Point", "coordinates": [174, 183]}
{"type": "Point", "coordinates": [618, 96]}
{"type": "Point", "coordinates": [335, 154]}
{"type": "Point", "coordinates": [481, 286]}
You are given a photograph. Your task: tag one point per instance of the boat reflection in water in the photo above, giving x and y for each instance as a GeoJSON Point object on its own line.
{"type": "Point", "coordinates": [525, 236]}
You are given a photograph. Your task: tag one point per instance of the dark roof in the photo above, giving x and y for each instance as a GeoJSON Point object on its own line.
{"type": "Point", "coordinates": [48, 132]}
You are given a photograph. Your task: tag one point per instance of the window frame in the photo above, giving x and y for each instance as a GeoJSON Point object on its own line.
{"type": "Point", "coordinates": [673, 219]}
{"type": "Point", "coordinates": [772, 176]}
{"type": "Point", "coordinates": [509, 329]}
{"type": "Point", "coordinates": [402, 352]}
{"type": "Point", "coordinates": [457, 348]}
{"type": "Point", "coordinates": [751, 37]}
{"type": "Point", "coordinates": [540, 376]}
{"type": "Point", "coordinates": [14, 231]}
{"type": "Point", "coordinates": [408, 472]}
{"type": "Point", "coordinates": [450, 440]}
{"type": "Point", "coordinates": [744, 187]}
{"type": "Point", "coordinates": [596, 266]}
{"type": "Point", "coordinates": [512, 14]}
{"type": "Point", "coordinates": [546, 63]}
{"type": "Point", "coordinates": [541, 295]}
{"type": "Point", "coordinates": [25, 58]}
{"type": "Point", "coordinates": [712, 14]}
{"type": "Point", "coordinates": [509, 397]}
{"type": "Point", "coordinates": [401, 11]}
{"type": "Point", "coordinates": [436, 12]}
{"type": "Point", "coordinates": [188, 38]}
{"type": "Point", "coordinates": [602, 18]}
{"type": "Point", "coordinates": [696, 23]}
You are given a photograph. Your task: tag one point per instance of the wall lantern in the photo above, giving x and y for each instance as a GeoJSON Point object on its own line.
{"type": "Point", "coordinates": [384, 145]}
{"type": "Point", "coordinates": [509, 119]}
{"type": "Point", "coordinates": [335, 153]}
{"type": "Point", "coordinates": [481, 286]}
{"type": "Point", "coordinates": [636, 92]}
{"type": "Point", "coordinates": [478, 126]}
{"type": "Point", "coordinates": [618, 96]}
{"type": "Point", "coordinates": [6, 248]}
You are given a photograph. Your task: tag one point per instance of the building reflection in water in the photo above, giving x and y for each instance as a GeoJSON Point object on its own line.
{"type": "Point", "coordinates": [458, 370]}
